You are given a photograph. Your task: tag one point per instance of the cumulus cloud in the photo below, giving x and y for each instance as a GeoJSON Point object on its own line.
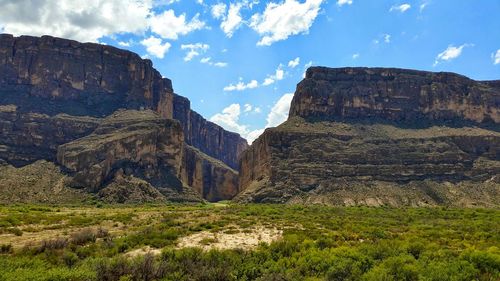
{"type": "Point", "coordinates": [279, 112]}
{"type": "Point", "coordinates": [194, 50]}
{"type": "Point", "coordinates": [400, 8]}
{"type": "Point", "coordinates": [124, 44]}
{"type": "Point", "coordinates": [94, 20]}
{"type": "Point", "coordinates": [155, 47]}
{"type": "Point", "coordinates": [241, 86]}
{"type": "Point", "coordinates": [450, 53]}
{"type": "Point", "coordinates": [279, 74]}
{"type": "Point", "coordinates": [233, 20]}
{"type": "Point", "coordinates": [218, 10]}
{"type": "Point", "coordinates": [306, 66]}
{"type": "Point", "coordinates": [247, 107]}
{"type": "Point", "coordinates": [355, 56]}
{"type": "Point", "coordinates": [293, 63]}
{"type": "Point", "coordinates": [387, 38]}
{"type": "Point", "coordinates": [170, 26]}
{"type": "Point", "coordinates": [340, 3]}
{"type": "Point", "coordinates": [208, 60]}
{"type": "Point", "coordinates": [280, 21]}
{"type": "Point", "coordinates": [71, 19]}
{"type": "Point", "coordinates": [496, 57]}
{"type": "Point", "coordinates": [229, 117]}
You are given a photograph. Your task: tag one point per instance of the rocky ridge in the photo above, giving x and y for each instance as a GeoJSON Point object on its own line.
{"type": "Point", "coordinates": [376, 136]}
{"type": "Point", "coordinates": [105, 114]}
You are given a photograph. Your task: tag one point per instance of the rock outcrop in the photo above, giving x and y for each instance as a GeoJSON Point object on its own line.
{"type": "Point", "coordinates": [377, 136]}
{"type": "Point", "coordinates": [105, 114]}
{"type": "Point", "coordinates": [132, 142]}
{"type": "Point", "coordinates": [208, 137]}
{"type": "Point", "coordinates": [391, 94]}
{"type": "Point", "coordinates": [52, 75]}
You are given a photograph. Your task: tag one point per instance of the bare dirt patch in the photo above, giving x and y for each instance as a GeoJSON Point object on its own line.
{"type": "Point", "coordinates": [143, 251]}
{"type": "Point", "coordinates": [231, 239]}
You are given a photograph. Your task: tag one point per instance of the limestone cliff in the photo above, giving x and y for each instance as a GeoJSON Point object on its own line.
{"type": "Point", "coordinates": [108, 115]}
{"type": "Point", "coordinates": [391, 94]}
{"type": "Point", "coordinates": [380, 137]}
{"type": "Point", "coordinates": [207, 136]}
{"type": "Point", "coordinates": [53, 75]}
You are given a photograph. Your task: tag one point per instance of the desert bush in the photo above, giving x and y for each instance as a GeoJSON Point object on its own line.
{"type": "Point", "coordinates": [16, 231]}
{"type": "Point", "coordinates": [398, 268]}
{"type": "Point", "coordinates": [52, 244]}
{"type": "Point", "coordinates": [83, 236]}
{"type": "Point", "coordinates": [69, 258]}
{"type": "Point", "coordinates": [6, 249]}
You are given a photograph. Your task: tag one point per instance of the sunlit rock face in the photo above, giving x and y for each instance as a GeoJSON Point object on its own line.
{"type": "Point", "coordinates": [376, 136]}
{"type": "Point", "coordinates": [105, 115]}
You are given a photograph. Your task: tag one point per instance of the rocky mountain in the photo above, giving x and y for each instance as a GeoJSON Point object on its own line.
{"type": "Point", "coordinates": [105, 115]}
{"type": "Point", "coordinates": [380, 136]}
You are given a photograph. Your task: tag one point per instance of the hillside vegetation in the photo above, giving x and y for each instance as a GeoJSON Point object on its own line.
{"type": "Point", "coordinates": [247, 242]}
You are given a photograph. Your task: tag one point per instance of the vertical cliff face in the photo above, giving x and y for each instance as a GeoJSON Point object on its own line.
{"type": "Point", "coordinates": [62, 96]}
{"type": "Point", "coordinates": [52, 75]}
{"type": "Point", "coordinates": [208, 176]}
{"type": "Point", "coordinates": [395, 95]}
{"type": "Point", "coordinates": [208, 137]}
{"type": "Point", "coordinates": [374, 136]}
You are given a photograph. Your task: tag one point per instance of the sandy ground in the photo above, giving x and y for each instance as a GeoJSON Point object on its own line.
{"type": "Point", "coordinates": [244, 239]}
{"type": "Point", "coordinates": [142, 251]}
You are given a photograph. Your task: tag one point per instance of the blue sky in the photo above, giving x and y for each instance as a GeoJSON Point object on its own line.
{"type": "Point", "coordinates": [239, 61]}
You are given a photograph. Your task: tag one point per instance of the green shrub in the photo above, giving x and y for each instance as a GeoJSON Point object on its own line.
{"type": "Point", "coordinates": [70, 258]}
{"type": "Point", "coordinates": [6, 249]}
{"type": "Point", "coordinates": [83, 236]}
{"type": "Point", "coordinates": [398, 268]}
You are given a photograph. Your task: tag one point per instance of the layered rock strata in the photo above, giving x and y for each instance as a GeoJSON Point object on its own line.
{"type": "Point", "coordinates": [380, 136]}
{"type": "Point", "coordinates": [99, 112]}
{"type": "Point", "coordinates": [208, 137]}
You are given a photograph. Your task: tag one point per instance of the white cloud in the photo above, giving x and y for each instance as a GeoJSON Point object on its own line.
{"type": "Point", "coordinates": [94, 20]}
{"type": "Point", "coordinates": [424, 5]}
{"type": "Point", "coordinates": [233, 20]}
{"type": "Point", "coordinates": [277, 76]}
{"type": "Point", "coordinates": [169, 26]}
{"type": "Point", "coordinates": [247, 107]}
{"type": "Point", "coordinates": [208, 60]}
{"type": "Point", "coordinates": [253, 135]}
{"type": "Point", "coordinates": [355, 56]}
{"type": "Point", "coordinates": [387, 38]}
{"type": "Point", "coordinates": [241, 86]}
{"type": "Point", "coordinates": [496, 57]}
{"type": "Point", "coordinates": [194, 50]}
{"type": "Point", "coordinates": [154, 47]}
{"type": "Point", "coordinates": [400, 8]}
{"type": "Point", "coordinates": [279, 21]}
{"type": "Point", "coordinates": [71, 19]}
{"type": "Point", "coordinates": [220, 64]}
{"type": "Point", "coordinates": [450, 53]}
{"type": "Point", "coordinates": [218, 10]}
{"type": "Point", "coordinates": [124, 44]}
{"type": "Point", "coordinates": [340, 3]}
{"type": "Point", "coordinates": [279, 112]}
{"type": "Point", "coordinates": [294, 63]}
{"type": "Point", "coordinates": [306, 66]}
{"type": "Point", "coordinates": [229, 117]}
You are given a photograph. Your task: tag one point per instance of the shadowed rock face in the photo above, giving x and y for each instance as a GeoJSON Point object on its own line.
{"type": "Point", "coordinates": [207, 136]}
{"type": "Point", "coordinates": [380, 136]}
{"type": "Point", "coordinates": [107, 112]}
{"type": "Point", "coordinates": [395, 95]}
{"type": "Point", "coordinates": [52, 75]}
